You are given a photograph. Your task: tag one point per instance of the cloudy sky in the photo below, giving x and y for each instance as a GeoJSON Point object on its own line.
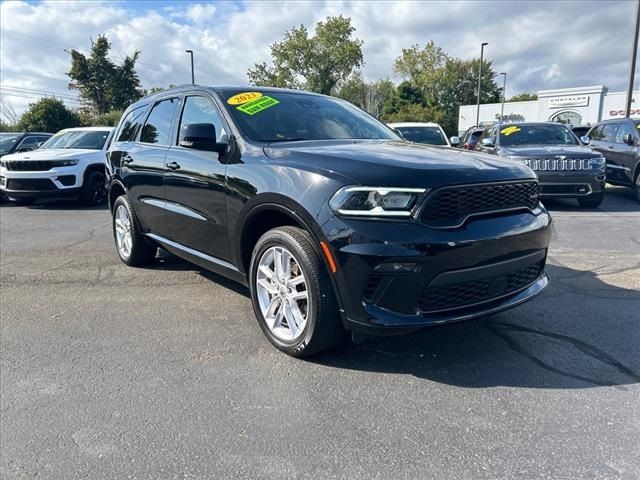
{"type": "Point", "coordinates": [540, 44]}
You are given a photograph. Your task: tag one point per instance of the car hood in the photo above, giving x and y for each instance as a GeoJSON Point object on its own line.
{"type": "Point", "coordinates": [548, 151]}
{"type": "Point", "coordinates": [52, 153]}
{"type": "Point", "coordinates": [397, 163]}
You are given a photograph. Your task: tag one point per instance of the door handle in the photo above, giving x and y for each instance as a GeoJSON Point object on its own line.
{"type": "Point", "coordinates": [173, 166]}
{"type": "Point", "coordinates": [127, 159]}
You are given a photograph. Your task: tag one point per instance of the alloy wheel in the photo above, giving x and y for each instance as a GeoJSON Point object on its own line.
{"type": "Point", "coordinates": [124, 238]}
{"type": "Point", "coordinates": [282, 293]}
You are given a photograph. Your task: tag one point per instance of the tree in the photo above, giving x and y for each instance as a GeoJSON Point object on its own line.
{"type": "Point", "coordinates": [317, 62]}
{"type": "Point", "coordinates": [102, 84]}
{"type": "Point", "coordinates": [523, 97]}
{"type": "Point", "coordinates": [423, 68]}
{"type": "Point", "coordinates": [48, 115]}
{"type": "Point", "coordinates": [368, 96]}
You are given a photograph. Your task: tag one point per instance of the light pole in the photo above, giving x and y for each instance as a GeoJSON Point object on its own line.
{"type": "Point", "coordinates": [479, 83]}
{"type": "Point", "coordinates": [193, 79]}
{"type": "Point", "coordinates": [504, 89]}
{"type": "Point", "coordinates": [634, 54]}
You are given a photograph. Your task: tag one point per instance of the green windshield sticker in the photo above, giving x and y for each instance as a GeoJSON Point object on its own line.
{"type": "Point", "coordinates": [258, 105]}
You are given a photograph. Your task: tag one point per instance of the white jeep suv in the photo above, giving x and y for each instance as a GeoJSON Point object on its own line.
{"type": "Point", "coordinates": [69, 164]}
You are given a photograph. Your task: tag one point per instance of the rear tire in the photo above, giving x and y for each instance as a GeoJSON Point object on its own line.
{"type": "Point", "coordinates": [292, 295]}
{"type": "Point", "coordinates": [592, 201]}
{"type": "Point", "coordinates": [132, 246]}
{"type": "Point", "coordinates": [94, 188]}
{"type": "Point", "coordinates": [638, 187]}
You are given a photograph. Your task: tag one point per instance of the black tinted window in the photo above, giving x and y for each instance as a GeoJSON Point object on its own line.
{"type": "Point", "coordinates": [538, 134]}
{"type": "Point", "coordinates": [426, 135]}
{"type": "Point", "coordinates": [130, 125]}
{"type": "Point", "coordinates": [157, 129]}
{"type": "Point", "coordinates": [31, 142]}
{"type": "Point", "coordinates": [609, 132]}
{"type": "Point", "coordinates": [201, 110]}
{"type": "Point", "coordinates": [625, 129]}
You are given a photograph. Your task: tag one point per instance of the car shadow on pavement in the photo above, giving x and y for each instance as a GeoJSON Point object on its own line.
{"type": "Point", "coordinates": [581, 333]}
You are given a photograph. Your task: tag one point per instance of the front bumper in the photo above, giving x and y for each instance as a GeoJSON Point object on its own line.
{"type": "Point", "coordinates": [489, 265]}
{"type": "Point", "coordinates": [57, 182]}
{"type": "Point", "coordinates": [571, 184]}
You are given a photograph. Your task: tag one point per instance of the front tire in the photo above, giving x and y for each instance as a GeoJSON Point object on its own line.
{"type": "Point", "coordinates": [94, 188]}
{"type": "Point", "coordinates": [292, 294]}
{"type": "Point", "coordinates": [131, 245]}
{"type": "Point", "coordinates": [592, 201]}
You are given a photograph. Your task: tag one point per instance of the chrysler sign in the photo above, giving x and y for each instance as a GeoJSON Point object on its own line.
{"type": "Point", "coordinates": [569, 101]}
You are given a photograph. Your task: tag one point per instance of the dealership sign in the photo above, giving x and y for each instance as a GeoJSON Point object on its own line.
{"type": "Point", "coordinates": [569, 101]}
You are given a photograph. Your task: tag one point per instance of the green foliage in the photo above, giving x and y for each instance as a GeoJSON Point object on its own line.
{"type": "Point", "coordinates": [316, 63]}
{"type": "Point", "coordinates": [48, 115]}
{"type": "Point", "coordinates": [523, 97]}
{"type": "Point", "coordinates": [102, 84]}
{"type": "Point", "coordinates": [368, 96]}
{"type": "Point", "coordinates": [156, 89]}
{"type": "Point", "coordinates": [109, 119]}
{"type": "Point", "coordinates": [9, 127]}
{"type": "Point", "coordinates": [416, 112]}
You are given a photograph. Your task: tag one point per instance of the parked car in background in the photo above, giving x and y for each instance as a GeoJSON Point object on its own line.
{"type": "Point", "coordinates": [619, 141]}
{"type": "Point", "coordinates": [581, 130]}
{"type": "Point", "coordinates": [565, 167]}
{"type": "Point", "coordinates": [428, 133]}
{"type": "Point", "coordinates": [69, 164]}
{"type": "Point", "coordinates": [471, 137]}
{"type": "Point", "coordinates": [331, 221]}
{"type": "Point", "coordinates": [15, 142]}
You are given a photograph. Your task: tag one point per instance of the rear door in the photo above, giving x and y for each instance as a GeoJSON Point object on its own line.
{"type": "Point", "coordinates": [625, 155]}
{"type": "Point", "coordinates": [143, 163]}
{"type": "Point", "coordinates": [195, 186]}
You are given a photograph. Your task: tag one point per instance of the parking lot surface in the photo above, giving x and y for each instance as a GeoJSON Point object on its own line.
{"type": "Point", "coordinates": [162, 372]}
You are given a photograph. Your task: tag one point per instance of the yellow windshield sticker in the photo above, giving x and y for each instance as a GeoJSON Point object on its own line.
{"type": "Point", "coordinates": [244, 97]}
{"type": "Point", "coordinates": [510, 130]}
{"type": "Point", "coordinates": [258, 105]}
{"type": "Point", "coordinates": [638, 126]}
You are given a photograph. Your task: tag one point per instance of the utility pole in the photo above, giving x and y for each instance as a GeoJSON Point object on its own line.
{"type": "Point", "coordinates": [193, 79]}
{"type": "Point", "coordinates": [504, 89]}
{"type": "Point", "coordinates": [479, 82]}
{"type": "Point", "coordinates": [634, 54]}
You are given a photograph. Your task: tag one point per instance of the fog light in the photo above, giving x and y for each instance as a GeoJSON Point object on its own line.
{"type": "Point", "coordinates": [397, 267]}
{"type": "Point", "coordinates": [601, 178]}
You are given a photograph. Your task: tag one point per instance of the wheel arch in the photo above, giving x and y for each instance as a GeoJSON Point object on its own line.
{"type": "Point", "coordinates": [116, 188]}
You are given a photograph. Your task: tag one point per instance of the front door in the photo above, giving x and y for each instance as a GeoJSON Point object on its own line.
{"type": "Point", "coordinates": [195, 188]}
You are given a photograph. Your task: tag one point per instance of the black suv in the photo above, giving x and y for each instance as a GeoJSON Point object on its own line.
{"type": "Point", "coordinates": [619, 142]}
{"type": "Point", "coordinates": [565, 167]}
{"type": "Point", "coordinates": [333, 221]}
{"type": "Point", "coordinates": [15, 142]}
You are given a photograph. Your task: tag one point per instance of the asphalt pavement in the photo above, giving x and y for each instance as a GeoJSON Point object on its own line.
{"type": "Point", "coordinates": [162, 372]}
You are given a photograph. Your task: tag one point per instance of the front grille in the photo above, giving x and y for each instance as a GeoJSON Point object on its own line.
{"type": "Point", "coordinates": [461, 295]}
{"type": "Point", "coordinates": [30, 184]}
{"type": "Point", "coordinates": [558, 164]}
{"type": "Point", "coordinates": [31, 165]}
{"type": "Point", "coordinates": [450, 206]}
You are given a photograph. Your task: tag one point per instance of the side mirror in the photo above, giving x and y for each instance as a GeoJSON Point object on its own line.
{"type": "Point", "coordinates": [398, 132]}
{"type": "Point", "coordinates": [455, 141]}
{"type": "Point", "coordinates": [201, 136]}
{"type": "Point", "coordinates": [39, 145]}
{"type": "Point", "coordinates": [628, 139]}
{"type": "Point", "coordinates": [585, 140]}
{"type": "Point", "coordinates": [487, 142]}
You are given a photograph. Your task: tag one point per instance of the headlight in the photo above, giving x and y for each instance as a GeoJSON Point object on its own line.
{"type": "Point", "coordinates": [597, 161]}
{"type": "Point", "coordinates": [65, 163]}
{"type": "Point", "coordinates": [376, 201]}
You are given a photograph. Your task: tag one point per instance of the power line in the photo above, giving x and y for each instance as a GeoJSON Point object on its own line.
{"type": "Point", "coordinates": [39, 91]}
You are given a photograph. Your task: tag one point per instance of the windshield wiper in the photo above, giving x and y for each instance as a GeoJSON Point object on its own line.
{"type": "Point", "coordinates": [287, 140]}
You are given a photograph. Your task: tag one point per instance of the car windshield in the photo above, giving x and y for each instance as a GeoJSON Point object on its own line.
{"type": "Point", "coordinates": [424, 134]}
{"type": "Point", "coordinates": [548, 134]}
{"type": "Point", "coordinates": [7, 141]}
{"type": "Point", "coordinates": [288, 116]}
{"type": "Point", "coordinates": [89, 139]}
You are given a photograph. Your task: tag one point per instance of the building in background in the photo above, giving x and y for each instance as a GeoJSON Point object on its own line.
{"type": "Point", "coordinates": [575, 106]}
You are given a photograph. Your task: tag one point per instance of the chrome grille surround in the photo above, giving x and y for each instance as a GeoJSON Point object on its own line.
{"type": "Point", "coordinates": [557, 164]}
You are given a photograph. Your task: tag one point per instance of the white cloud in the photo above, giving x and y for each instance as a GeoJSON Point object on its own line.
{"type": "Point", "coordinates": [540, 44]}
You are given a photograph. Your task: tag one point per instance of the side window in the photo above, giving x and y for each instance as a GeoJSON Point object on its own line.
{"type": "Point", "coordinates": [157, 128]}
{"type": "Point", "coordinates": [30, 142]}
{"type": "Point", "coordinates": [625, 129]}
{"type": "Point", "coordinates": [130, 125]}
{"type": "Point", "coordinates": [201, 110]}
{"type": "Point", "coordinates": [609, 132]}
